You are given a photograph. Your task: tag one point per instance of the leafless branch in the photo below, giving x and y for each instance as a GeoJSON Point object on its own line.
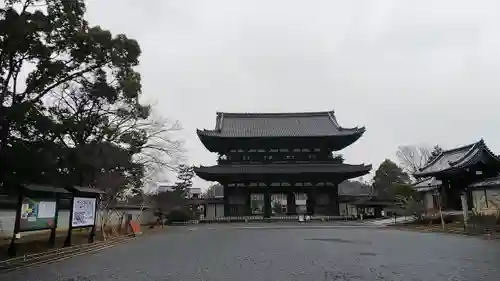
{"type": "Point", "coordinates": [412, 158]}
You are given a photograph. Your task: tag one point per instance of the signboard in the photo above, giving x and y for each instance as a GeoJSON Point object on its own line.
{"type": "Point", "coordinates": [83, 211]}
{"type": "Point", "coordinates": [37, 214]}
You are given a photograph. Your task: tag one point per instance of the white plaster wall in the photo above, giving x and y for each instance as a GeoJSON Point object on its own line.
{"type": "Point", "coordinates": [493, 196]}
{"type": "Point", "coordinates": [486, 200]}
{"type": "Point", "coordinates": [428, 202]}
{"type": "Point", "coordinates": [478, 200]}
{"type": "Point", "coordinates": [220, 210]}
{"type": "Point", "coordinates": [211, 211]}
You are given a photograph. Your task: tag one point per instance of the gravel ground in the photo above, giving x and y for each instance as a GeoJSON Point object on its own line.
{"type": "Point", "coordinates": [282, 252]}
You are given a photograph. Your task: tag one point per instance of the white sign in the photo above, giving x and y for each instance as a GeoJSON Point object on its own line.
{"type": "Point", "coordinates": [46, 209]}
{"type": "Point", "coordinates": [83, 212]}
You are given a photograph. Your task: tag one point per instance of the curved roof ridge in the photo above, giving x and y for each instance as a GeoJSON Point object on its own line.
{"type": "Point", "coordinates": [422, 180]}
{"type": "Point", "coordinates": [334, 119]}
{"type": "Point", "coordinates": [218, 121]}
{"type": "Point", "coordinates": [275, 114]}
{"type": "Point", "coordinates": [439, 156]}
{"type": "Point", "coordinates": [362, 165]}
{"type": "Point", "coordinates": [463, 146]}
{"type": "Point", "coordinates": [477, 145]}
{"type": "Point", "coordinates": [485, 147]}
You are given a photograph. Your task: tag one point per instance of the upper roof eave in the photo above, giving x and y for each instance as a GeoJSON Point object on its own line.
{"type": "Point", "coordinates": [471, 151]}
{"type": "Point", "coordinates": [436, 159]}
{"type": "Point", "coordinates": [344, 132]}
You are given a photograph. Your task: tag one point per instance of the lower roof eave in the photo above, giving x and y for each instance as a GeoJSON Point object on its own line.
{"type": "Point", "coordinates": [214, 174]}
{"type": "Point", "coordinates": [437, 174]}
{"type": "Point", "coordinates": [206, 200]}
{"type": "Point", "coordinates": [493, 182]}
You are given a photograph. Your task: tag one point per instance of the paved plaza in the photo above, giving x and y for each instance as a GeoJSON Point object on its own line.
{"type": "Point", "coordinates": [252, 252]}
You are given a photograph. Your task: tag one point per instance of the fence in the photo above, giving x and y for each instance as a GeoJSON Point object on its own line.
{"type": "Point", "coordinates": [274, 218]}
{"type": "Point", "coordinates": [7, 219]}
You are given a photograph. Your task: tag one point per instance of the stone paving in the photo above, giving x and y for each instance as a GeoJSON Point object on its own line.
{"type": "Point", "coordinates": [282, 252]}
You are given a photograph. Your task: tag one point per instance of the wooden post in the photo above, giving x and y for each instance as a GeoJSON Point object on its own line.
{"type": "Point", "coordinates": [67, 242]}
{"type": "Point", "coordinates": [440, 208]}
{"type": "Point", "coordinates": [92, 231]}
{"type": "Point", "coordinates": [52, 239]}
{"type": "Point", "coordinates": [12, 251]}
{"type": "Point", "coordinates": [311, 201]}
{"type": "Point", "coordinates": [465, 209]}
{"type": "Point", "coordinates": [227, 207]}
{"type": "Point", "coordinates": [291, 208]}
{"type": "Point", "coordinates": [333, 198]}
{"type": "Point", "coordinates": [248, 203]}
{"type": "Point", "coordinates": [267, 203]}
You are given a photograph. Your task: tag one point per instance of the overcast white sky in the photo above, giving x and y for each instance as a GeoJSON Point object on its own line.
{"type": "Point", "coordinates": [412, 72]}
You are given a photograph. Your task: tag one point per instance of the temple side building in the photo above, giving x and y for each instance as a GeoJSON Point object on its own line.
{"type": "Point", "coordinates": [463, 170]}
{"type": "Point", "coordinates": [279, 163]}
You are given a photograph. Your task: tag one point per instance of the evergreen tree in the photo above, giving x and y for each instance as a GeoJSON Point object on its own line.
{"type": "Point", "coordinates": [184, 177]}
{"type": "Point", "coordinates": [388, 178]}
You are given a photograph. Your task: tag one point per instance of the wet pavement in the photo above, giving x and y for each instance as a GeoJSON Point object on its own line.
{"type": "Point", "coordinates": [282, 252]}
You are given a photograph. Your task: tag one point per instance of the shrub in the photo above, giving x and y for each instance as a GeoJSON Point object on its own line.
{"type": "Point", "coordinates": [483, 221]}
{"type": "Point", "coordinates": [436, 220]}
{"type": "Point", "coordinates": [179, 216]}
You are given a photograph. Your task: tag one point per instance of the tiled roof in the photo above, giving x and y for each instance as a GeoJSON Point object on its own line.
{"type": "Point", "coordinates": [88, 190]}
{"type": "Point", "coordinates": [487, 182]}
{"type": "Point", "coordinates": [302, 124]}
{"type": "Point", "coordinates": [456, 158]}
{"type": "Point", "coordinates": [354, 188]}
{"type": "Point", "coordinates": [45, 188]}
{"type": "Point", "coordinates": [374, 202]}
{"type": "Point", "coordinates": [427, 184]}
{"type": "Point", "coordinates": [432, 181]}
{"type": "Point", "coordinates": [281, 169]}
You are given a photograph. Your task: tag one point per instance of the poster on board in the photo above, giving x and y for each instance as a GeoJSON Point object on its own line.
{"type": "Point", "coordinates": [83, 211]}
{"type": "Point", "coordinates": [37, 214]}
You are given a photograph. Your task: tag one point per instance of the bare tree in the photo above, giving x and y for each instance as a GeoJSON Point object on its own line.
{"type": "Point", "coordinates": [162, 153]}
{"type": "Point", "coordinates": [412, 158]}
{"type": "Point", "coordinates": [115, 187]}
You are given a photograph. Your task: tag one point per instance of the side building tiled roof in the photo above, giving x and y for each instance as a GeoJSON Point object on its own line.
{"type": "Point", "coordinates": [301, 124]}
{"type": "Point", "coordinates": [354, 188]}
{"type": "Point", "coordinates": [427, 184]}
{"type": "Point", "coordinates": [457, 158]}
{"type": "Point", "coordinates": [489, 182]}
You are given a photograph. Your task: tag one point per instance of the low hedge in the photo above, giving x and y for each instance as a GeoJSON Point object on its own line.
{"type": "Point", "coordinates": [437, 219]}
